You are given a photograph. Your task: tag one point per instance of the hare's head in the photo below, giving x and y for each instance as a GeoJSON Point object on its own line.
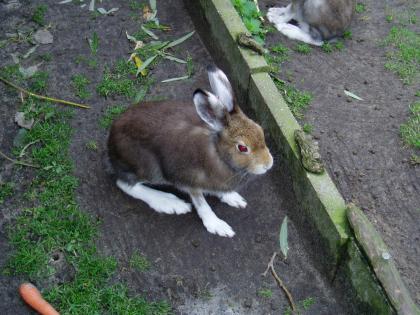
{"type": "Point", "coordinates": [240, 140]}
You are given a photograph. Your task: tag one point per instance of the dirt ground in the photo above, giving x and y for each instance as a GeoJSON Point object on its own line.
{"type": "Point", "coordinates": [197, 272]}
{"type": "Point", "coordinates": [360, 140]}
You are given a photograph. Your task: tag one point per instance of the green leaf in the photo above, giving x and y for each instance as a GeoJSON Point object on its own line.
{"type": "Point", "coordinates": [152, 5]}
{"type": "Point", "coordinates": [145, 64]}
{"type": "Point", "coordinates": [149, 32]}
{"type": "Point", "coordinates": [176, 79]}
{"type": "Point", "coordinates": [348, 93]}
{"type": "Point", "coordinates": [174, 59]}
{"type": "Point", "coordinates": [284, 246]}
{"type": "Point", "coordinates": [180, 40]}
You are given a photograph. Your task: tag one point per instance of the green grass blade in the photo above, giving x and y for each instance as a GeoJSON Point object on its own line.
{"type": "Point", "coordinates": [180, 40]}
{"type": "Point", "coordinates": [149, 32]}
{"type": "Point", "coordinates": [174, 59]}
{"type": "Point", "coordinates": [145, 64]}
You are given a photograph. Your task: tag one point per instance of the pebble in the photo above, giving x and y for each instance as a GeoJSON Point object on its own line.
{"type": "Point", "coordinates": [213, 268]}
{"type": "Point", "coordinates": [195, 243]}
{"type": "Point", "coordinates": [248, 303]}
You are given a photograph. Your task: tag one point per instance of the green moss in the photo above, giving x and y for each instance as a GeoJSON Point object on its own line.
{"type": "Point", "coordinates": [360, 7]}
{"type": "Point", "coordinates": [265, 293]}
{"type": "Point", "coordinates": [403, 54]}
{"type": "Point", "coordinates": [111, 113]}
{"type": "Point", "coordinates": [80, 83]}
{"type": "Point", "coordinates": [139, 262]}
{"type": "Point", "coordinates": [410, 131]}
{"type": "Point", "coordinates": [302, 48]}
{"type": "Point", "coordinates": [39, 14]}
{"type": "Point", "coordinates": [6, 190]}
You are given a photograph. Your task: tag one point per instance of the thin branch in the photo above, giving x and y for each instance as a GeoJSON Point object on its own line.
{"type": "Point", "coordinates": [17, 162]}
{"type": "Point", "coordinates": [41, 97]}
{"type": "Point", "coordinates": [22, 153]}
{"type": "Point", "coordinates": [280, 283]}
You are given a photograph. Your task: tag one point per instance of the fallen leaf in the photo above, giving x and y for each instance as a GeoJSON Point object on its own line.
{"type": "Point", "coordinates": [180, 40]}
{"type": "Point", "coordinates": [22, 121]}
{"type": "Point", "coordinates": [105, 12]}
{"type": "Point", "coordinates": [284, 246]}
{"type": "Point", "coordinates": [174, 59]}
{"type": "Point", "coordinates": [92, 5]}
{"type": "Point", "coordinates": [30, 52]}
{"type": "Point", "coordinates": [29, 71]}
{"type": "Point", "coordinates": [43, 37]}
{"type": "Point", "coordinates": [145, 64]}
{"type": "Point", "coordinates": [149, 32]}
{"type": "Point", "coordinates": [65, 1]}
{"type": "Point", "coordinates": [350, 94]}
{"type": "Point", "coordinates": [138, 62]}
{"type": "Point", "coordinates": [147, 13]}
{"type": "Point", "coordinates": [176, 79]}
{"type": "Point", "coordinates": [15, 57]}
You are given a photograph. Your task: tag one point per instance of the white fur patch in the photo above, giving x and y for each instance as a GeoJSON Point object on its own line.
{"type": "Point", "coordinates": [158, 200]}
{"type": "Point", "coordinates": [233, 199]}
{"type": "Point", "coordinates": [221, 87]}
{"type": "Point", "coordinates": [294, 32]}
{"type": "Point", "coordinates": [212, 223]}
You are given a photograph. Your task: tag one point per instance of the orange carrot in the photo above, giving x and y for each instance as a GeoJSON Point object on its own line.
{"type": "Point", "coordinates": [31, 295]}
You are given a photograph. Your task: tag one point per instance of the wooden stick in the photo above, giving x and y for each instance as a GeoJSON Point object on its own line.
{"type": "Point", "coordinates": [41, 97]}
{"type": "Point", "coordinates": [17, 162]}
{"type": "Point", "coordinates": [280, 283]}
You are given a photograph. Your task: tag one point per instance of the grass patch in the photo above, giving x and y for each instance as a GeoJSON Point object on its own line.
{"type": "Point", "coordinates": [39, 14]}
{"type": "Point", "coordinates": [307, 128]}
{"type": "Point", "coordinates": [6, 190]}
{"type": "Point", "coordinates": [360, 7]}
{"type": "Point", "coordinates": [278, 54]}
{"type": "Point", "coordinates": [38, 82]}
{"type": "Point", "coordinates": [302, 48]}
{"type": "Point", "coordinates": [410, 131]}
{"type": "Point", "coordinates": [94, 44]}
{"type": "Point", "coordinates": [403, 54]}
{"type": "Point", "coordinates": [265, 293]}
{"type": "Point", "coordinates": [139, 262]}
{"type": "Point", "coordinates": [122, 80]}
{"type": "Point", "coordinates": [91, 145]}
{"type": "Point", "coordinates": [251, 18]}
{"type": "Point", "coordinates": [297, 101]}
{"type": "Point", "coordinates": [80, 83]}
{"type": "Point", "coordinates": [111, 113]}
{"type": "Point", "coordinates": [302, 307]}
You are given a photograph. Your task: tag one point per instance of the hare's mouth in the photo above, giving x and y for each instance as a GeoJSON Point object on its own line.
{"type": "Point", "coordinates": [261, 169]}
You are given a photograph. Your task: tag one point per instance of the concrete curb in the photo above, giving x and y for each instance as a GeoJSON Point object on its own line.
{"type": "Point", "coordinates": [318, 196]}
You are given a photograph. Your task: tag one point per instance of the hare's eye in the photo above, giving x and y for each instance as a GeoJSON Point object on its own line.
{"type": "Point", "coordinates": [242, 148]}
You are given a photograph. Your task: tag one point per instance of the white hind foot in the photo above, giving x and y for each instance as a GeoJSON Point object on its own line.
{"type": "Point", "coordinates": [158, 200]}
{"type": "Point", "coordinates": [233, 199]}
{"type": "Point", "coordinates": [280, 15]}
{"type": "Point", "coordinates": [294, 32]}
{"type": "Point", "coordinates": [212, 223]}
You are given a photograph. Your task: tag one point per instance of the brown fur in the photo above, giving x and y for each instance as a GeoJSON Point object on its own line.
{"type": "Point", "coordinates": [168, 143]}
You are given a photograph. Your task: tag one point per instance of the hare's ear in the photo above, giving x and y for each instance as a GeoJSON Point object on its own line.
{"type": "Point", "coordinates": [210, 109]}
{"type": "Point", "coordinates": [221, 87]}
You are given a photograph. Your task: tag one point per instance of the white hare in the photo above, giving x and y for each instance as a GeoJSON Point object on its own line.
{"type": "Point", "coordinates": [318, 20]}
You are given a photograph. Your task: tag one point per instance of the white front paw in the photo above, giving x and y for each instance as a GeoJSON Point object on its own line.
{"type": "Point", "coordinates": [216, 226]}
{"type": "Point", "coordinates": [234, 199]}
{"type": "Point", "coordinates": [171, 206]}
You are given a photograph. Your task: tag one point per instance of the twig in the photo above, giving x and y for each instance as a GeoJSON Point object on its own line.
{"type": "Point", "coordinates": [258, 10]}
{"type": "Point", "coordinates": [17, 162]}
{"type": "Point", "coordinates": [22, 153]}
{"type": "Point", "coordinates": [41, 97]}
{"type": "Point", "coordinates": [280, 283]}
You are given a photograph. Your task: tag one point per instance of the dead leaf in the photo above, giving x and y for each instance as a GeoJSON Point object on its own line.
{"type": "Point", "coordinates": [138, 62]}
{"type": "Point", "coordinates": [29, 71]}
{"type": "Point", "coordinates": [147, 13]}
{"type": "Point", "coordinates": [22, 121]}
{"type": "Point", "coordinates": [43, 37]}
